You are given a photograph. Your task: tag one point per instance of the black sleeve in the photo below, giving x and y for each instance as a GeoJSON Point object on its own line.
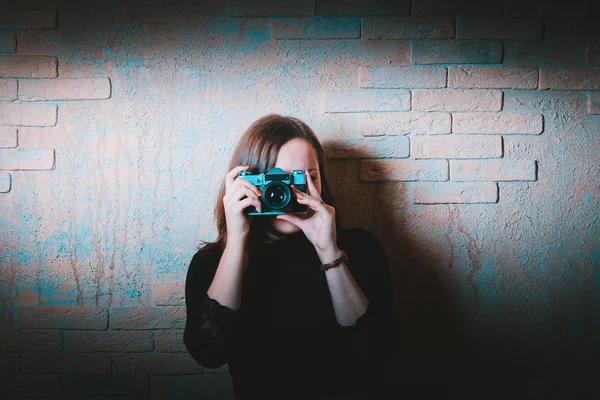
{"type": "Point", "coordinates": [371, 340]}
{"type": "Point", "coordinates": [208, 326]}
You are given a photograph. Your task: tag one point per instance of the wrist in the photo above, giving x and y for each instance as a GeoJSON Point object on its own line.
{"type": "Point", "coordinates": [236, 239]}
{"type": "Point", "coordinates": [329, 255]}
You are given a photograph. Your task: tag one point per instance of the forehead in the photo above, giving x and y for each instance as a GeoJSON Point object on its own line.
{"type": "Point", "coordinates": [297, 154]}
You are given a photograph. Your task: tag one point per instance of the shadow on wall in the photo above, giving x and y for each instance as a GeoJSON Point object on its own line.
{"type": "Point", "coordinates": [433, 353]}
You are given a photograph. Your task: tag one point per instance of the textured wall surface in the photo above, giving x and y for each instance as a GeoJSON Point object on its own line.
{"type": "Point", "coordinates": [464, 133]}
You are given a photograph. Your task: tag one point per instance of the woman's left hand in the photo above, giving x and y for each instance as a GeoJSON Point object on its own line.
{"type": "Point", "coordinates": [320, 228]}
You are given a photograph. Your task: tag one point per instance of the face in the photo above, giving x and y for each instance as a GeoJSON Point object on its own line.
{"type": "Point", "coordinates": [297, 154]}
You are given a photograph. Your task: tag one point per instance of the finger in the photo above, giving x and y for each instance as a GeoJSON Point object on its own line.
{"type": "Point", "coordinates": [315, 204]}
{"type": "Point", "coordinates": [230, 176]}
{"type": "Point", "coordinates": [300, 193]}
{"type": "Point", "coordinates": [240, 181]}
{"type": "Point", "coordinates": [312, 189]}
{"type": "Point", "coordinates": [242, 191]}
{"type": "Point", "coordinates": [249, 201]}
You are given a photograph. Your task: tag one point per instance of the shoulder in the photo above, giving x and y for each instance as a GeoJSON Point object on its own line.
{"type": "Point", "coordinates": [357, 236]}
{"type": "Point", "coordinates": [362, 245]}
{"type": "Point", "coordinates": [367, 259]}
{"type": "Point", "coordinates": [205, 260]}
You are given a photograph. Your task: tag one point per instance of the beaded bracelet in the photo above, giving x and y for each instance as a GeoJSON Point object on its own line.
{"type": "Point", "coordinates": [343, 258]}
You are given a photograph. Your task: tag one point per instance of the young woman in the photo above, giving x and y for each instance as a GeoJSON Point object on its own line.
{"type": "Point", "coordinates": [259, 298]}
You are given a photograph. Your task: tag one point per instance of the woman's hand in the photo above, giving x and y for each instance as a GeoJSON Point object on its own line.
{"type": "Point", "coordinates": [239, 194]}
{"type": "Point", "coordinates": [320, 227]}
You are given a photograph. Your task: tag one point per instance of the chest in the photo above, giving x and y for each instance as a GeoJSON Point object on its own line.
{"type": "Point", "coordinates": [287, 293]}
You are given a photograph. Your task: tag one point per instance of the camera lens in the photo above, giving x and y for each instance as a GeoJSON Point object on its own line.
{"type": "Point", "coordinates": [277, 195]}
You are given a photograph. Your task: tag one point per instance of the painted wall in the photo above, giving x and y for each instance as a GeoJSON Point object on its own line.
{"type": "Point", "coordinates": [465, 134]}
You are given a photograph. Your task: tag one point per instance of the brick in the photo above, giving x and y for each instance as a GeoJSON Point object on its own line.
{"type": "Point", "coordinates": [187, 387]}
{"type": "Point", "coordinates": [474, 77]}
{"type": "Point", "coordinates": [423, 76]}
{"type": "Point", "coordinates": [20, 386]}
{"type": "Point", "coordinates": [9, 363]}
{"type": "Point", "coordinates": [458, 7]}
{"type": "Point", "coordinates": [27, 114]}
{"type": "Point", "coordinates": [454, 192]}
{"type": "Point", "coordinates": [145, 317]}
{"type": "Point", "coordinates": [494, 123]}
{"type": "Point", "coordinates": [456, 146]}
{"type": "Point", "coordinates": [492, 170]}
{"type": "Point", "coordinates": [63, 317]}
{"type": "Point", "coordinates": [28, 298]}
{"type": "Point", "coordinates": [456, 100]}
{"type": "Point", "coordinates": [4, 182]}
{"type": "Point", "coordinates": [403, 170]}
{"type": "Point", "coordinates": [168, 294]}
{"type": "Point", "coordinates": [366, 100]}
{"type": "Point", "coordinates": [499, 28]}
{"type": "Point", "coordinates": [169, 341]}
{"type": "Point", "coordinates": [28, 67]}
{"type": "Point", "coordinates": [64, 89]}
{"type": "Point", "coordinates": [545, 8]}
{"type": "Point", "coordinates": [456, 52]}
{"type": "Point", "coordinates": [31, 340]}
{"type": "Point", "coordinates": [373, 147]}
{"type": "Point", "coordinates": [8, 42]}
{"type": "Point", "coordinates": [543, 53]}
{"type": "Point", "coordinates": [27, 19]}
{"type": "Point", "coordinates": [593, 55]}
{"type": "Point", "coordinates": [27, 159]}
{"type": "Point", "coordinates": [271, 8]}
{"type": "Point", "coordinates": [408, 28]}
{"type": "Point", "coordinates": [570, 78]}
{"type": "Point", "coordinates": [316, 28]}
{"type": "Point", "coordinates": [363, 8]}
{"type": "Point", "coordinates": [8, 137]}
{"type": "Point", "coordinates": [115, 341]}
{"type": "Point", "coordinates": [572, 30]}
{"type": "Point", "coordinates": [64, 363]}
{"type": "Point", "coordinates": [8, 89]}
{"type": "Point", "coordinates": [109, 385]}
{"type": "Point", "coordinates": [394, 124]}
{"type": "Point", "coordinates": [384, 52]}
{"type": "Point", "coordinates": [594, 102]}
{"type": "Point", "coordinates": [155, 364]}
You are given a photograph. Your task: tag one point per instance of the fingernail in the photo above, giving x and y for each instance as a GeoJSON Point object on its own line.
{"type": "Point", "coordinates": [259, 193]}
{"type": "Point", "coordinates": [246, 166]}
{"type": "Point", "coordinates": [300, 198]}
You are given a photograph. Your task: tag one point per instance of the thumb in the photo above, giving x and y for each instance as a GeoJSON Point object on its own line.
{"type": "Point", "coordinates": [291, 219]}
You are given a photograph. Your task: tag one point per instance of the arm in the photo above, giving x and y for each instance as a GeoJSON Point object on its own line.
{"type": "Point", "coordinates": [211, 310]}
{"type": "Point", "coordinates": [349, 301]}
{"type": "Point", "coordinates": [226, 288]}
{"type": "Point", "coordinates": [371, 335]}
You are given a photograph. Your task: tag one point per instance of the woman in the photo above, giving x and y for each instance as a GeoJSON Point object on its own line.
{"type": "Point", "coordinates": [258, 299]}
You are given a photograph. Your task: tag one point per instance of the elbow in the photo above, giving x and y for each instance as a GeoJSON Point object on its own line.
{"type": "Point", "coordinates": [201, 350]}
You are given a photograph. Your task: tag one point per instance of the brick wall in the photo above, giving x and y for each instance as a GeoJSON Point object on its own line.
{"type": "Point", "coordinates": [464, 133]}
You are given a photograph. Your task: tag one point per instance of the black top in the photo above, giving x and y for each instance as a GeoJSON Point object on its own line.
{"type": "Point", "coordinates": [285, 340]}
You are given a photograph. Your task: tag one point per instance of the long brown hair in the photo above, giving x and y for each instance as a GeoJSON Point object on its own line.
{"type": "Point", "coordinates": [258, 147]}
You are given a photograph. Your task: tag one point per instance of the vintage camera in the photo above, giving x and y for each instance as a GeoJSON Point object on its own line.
{"type": "Point", "coordinates": [277, 195]}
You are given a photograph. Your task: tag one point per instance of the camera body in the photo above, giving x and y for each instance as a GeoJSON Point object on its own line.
{"type": "Point", "coordinates": [277, 195]}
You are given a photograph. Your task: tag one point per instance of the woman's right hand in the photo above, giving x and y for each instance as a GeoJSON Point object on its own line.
{"type": "Point", "coordinates": [239, 194]}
